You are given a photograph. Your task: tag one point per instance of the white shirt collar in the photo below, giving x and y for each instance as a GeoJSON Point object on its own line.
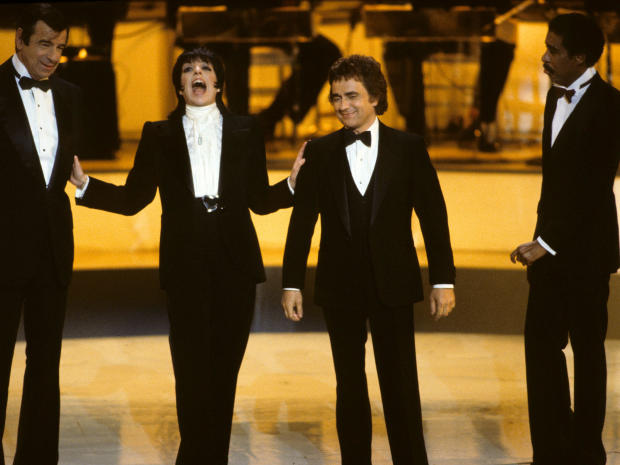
{"type": "Point", "coordinates": [374, 131]}
{"type": "Point", "coordinates": [585, 77]}
{"type": "Point", "coordinates": [19, 66]}
{"type": "Point", "coordinates": [207, 112]}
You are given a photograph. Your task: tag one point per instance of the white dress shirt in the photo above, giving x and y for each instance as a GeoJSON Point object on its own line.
{"type": "Point", "coordinates": [203, 133]}
{"type": "Point", "coordinates": [39, 106]}
{"type": "Point", "coordinates": [362, 159]}
{"type": "Point", "coordinates": [562, 111]}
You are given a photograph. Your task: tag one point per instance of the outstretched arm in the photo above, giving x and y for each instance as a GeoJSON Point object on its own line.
{"type": "Point", "coordinates": [140, 186]}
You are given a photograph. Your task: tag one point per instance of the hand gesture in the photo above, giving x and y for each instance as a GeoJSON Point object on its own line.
{"type": "Point", "coordinates": [78, 178]}
{"type": "Point", "coordinates": [299, 161]}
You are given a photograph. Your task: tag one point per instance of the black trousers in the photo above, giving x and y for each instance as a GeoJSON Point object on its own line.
{"type": "Point", "coordinates": [558, 310]}
{"type": "Point", "coordinates": [394, 347]}
{"type": "Point", "coordinates": [210, 316]}
{"type": "Point", "coordinates": [43, 302]}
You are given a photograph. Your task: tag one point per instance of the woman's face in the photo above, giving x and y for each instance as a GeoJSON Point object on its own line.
{"type": "Point", "coordinates": [198, 82]}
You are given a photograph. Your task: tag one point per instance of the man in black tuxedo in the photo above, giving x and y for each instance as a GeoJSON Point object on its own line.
{"type": "Point", "coordinates": [575, 249]}
{"type": "Point", "coordinates": [209, 167]}
{"type": "Point", "coordinates": [365, 180]}
{"type": "Point", "coordinates": [39, 127]}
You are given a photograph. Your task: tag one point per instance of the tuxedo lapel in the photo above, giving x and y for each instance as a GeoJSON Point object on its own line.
{"type": "Point", "coordinates": [178, 147]}
{"type": "Point", "coordinates": [384, 170]}
{"type": "Point", "coordinates": [227, 153]}
{"type": "Point", "coordinates": [337, 176]}
{"type": "Point", "coordinates": [15, 122]}
{"type": "Point", "coordinates": [550, 107]}
{"type": "Point", "coordinates": [65, 134]}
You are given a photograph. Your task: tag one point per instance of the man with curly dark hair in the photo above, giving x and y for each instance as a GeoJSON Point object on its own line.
{"type": "Point", "coordinates": [365, 180]}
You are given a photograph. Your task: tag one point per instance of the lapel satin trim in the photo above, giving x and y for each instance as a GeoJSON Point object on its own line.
{"type": "Point", "coordinates": [384, 171]}
{"type": "Point", "coordinates": [550, 106]}
{"type": "Point", "coordinates": [228, 142]}
{"type": "Point", "coordinates": [179, 150]}
{"type": "Point", "coordinates": [338, 181]}
{"type": "Point", "coordinates": [64, 128]}
{"type": "Point", "coordinates": [17, 125]}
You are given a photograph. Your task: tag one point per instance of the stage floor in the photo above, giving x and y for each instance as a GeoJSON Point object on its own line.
{"type": "Point", "coordinates": [118, 401]}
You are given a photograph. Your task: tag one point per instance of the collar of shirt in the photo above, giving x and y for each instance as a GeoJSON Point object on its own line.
{"type": "Point", "coordinates": [207, 113]}
{"type": "Point", "coordinates": [374, 137]}
{"type": "Point", "coordinates": [576, 85]}
{"type": "Point", "coordinates": [19, 67]}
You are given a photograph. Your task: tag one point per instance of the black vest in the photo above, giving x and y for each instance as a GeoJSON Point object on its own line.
{"type": "Point", "coordinates": [360, 210]}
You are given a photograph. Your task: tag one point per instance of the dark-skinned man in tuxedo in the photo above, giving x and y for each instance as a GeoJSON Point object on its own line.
{"type": "Point", "coordinates": [575, 249]}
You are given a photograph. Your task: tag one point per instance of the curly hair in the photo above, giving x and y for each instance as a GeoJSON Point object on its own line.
{"type": "Point", "coordinates": [188, 56]}
{"type": "Point", "coordinates": [366, 70]}
{"type": "Point", "coordinates": [580, 35]}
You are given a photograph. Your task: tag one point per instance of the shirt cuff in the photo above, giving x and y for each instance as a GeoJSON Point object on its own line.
{"type": "Point", "coordinates": [288, 183]}
{"type": "Point", "coordinates": [443, 286]}
{"type": "Point", "coordinates": [80, 191]}
{"type": "Point", "coordinates": [290, 289]}
{"type": "Point", "coordinates": [545, 246]}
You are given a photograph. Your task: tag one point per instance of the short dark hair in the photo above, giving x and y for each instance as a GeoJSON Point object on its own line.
{"type": "Point", "coordinates": [580, 35]}
{"type": "Point", "coordinates": [189, 56]}
{"type": "Point", "coordinates": [45, 12]}
{"type": "Point", "coordinates": [365, 69]}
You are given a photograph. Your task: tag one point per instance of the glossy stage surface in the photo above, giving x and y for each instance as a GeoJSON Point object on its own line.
{"type": "Point", "coordinates": [118, 401]}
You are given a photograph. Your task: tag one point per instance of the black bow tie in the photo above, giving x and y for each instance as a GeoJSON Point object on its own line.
{"type": "Point", "coordinates": [28, 83]}
{"type": "Point", "coordinates": [559, 92]}
{"type": "Point", "coordinates": [350, 137]}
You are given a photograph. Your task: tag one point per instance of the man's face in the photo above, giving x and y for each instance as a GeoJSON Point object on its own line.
{"type": "Point", "coordinates": [562, 68]}
{"type": "Point", "coordinates": [198, 81]}
{"type": "Point", "coordinates": [42, 53]}
{"type": "Point", "coordinates": [354, 107]}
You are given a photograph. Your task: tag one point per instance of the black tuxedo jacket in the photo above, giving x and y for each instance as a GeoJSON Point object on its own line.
{"type": "Point", "coordinates": [577, 210]}
{"type": "Point", "coordinates": [162, 161]}
{"type": "Point", "coordinates": [35, 217]}
{"type": "Point", "coordinates": [404, 180]}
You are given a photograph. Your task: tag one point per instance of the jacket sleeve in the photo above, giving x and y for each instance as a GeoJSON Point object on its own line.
{"type": "Point", "coordinates": [430, 208]}
{"type": "Point", "coordinates": [301, 226]}
{"type": "Point", "coordinates": [263, 198]}
{"type": "Point", "coordinates": [141, 183]}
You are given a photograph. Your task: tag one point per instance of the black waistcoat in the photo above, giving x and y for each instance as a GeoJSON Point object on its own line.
{"type": "Point", "coordinates": [360, 208]}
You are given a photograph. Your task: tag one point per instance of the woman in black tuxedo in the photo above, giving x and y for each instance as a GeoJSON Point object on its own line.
{"type": "Point", "coordinates": [209, 167]}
